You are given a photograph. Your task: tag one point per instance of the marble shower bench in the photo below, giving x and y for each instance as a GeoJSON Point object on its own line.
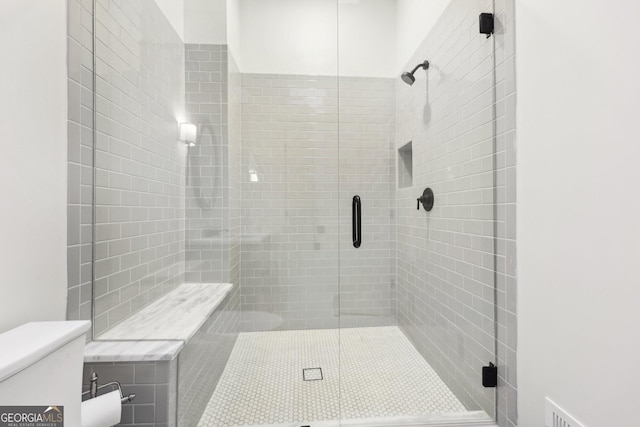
{"type": "Point", "coordinates": [171, 354]}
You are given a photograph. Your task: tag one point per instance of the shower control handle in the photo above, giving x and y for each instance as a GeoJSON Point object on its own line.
{"type": "Point", "coordinates": [426, 199]}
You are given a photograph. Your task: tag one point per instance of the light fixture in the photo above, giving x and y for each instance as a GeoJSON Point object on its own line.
{"type": "Point", "coordinates": [188, 132]}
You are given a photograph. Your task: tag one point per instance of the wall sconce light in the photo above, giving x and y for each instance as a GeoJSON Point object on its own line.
{"type": "Point", "coordinates": [253, 175]}
{"type": "Point", "coordinates": [188, 132]}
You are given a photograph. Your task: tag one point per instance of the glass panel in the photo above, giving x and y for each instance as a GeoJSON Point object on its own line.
{"type": "Point", "coordinates": [417, 296]}
{"type": "Point", "coordinates": [286, 357]}
{"type": "Point", "coordinates": [237, 169]}
{"type": "Point", "coordinates": [140, 165]}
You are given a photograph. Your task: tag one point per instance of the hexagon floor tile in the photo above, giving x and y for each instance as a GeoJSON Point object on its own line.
{"type": "Point", "coordinates": [367, 373]}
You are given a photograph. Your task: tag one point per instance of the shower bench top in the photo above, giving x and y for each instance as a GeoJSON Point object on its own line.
{"type": "Point", "coordinates": [160, 330]}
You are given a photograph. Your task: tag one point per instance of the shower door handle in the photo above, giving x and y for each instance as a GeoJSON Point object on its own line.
{"type": "Point", "coordinates": [356, 225]}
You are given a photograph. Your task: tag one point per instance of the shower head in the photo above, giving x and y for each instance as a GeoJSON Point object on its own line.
{"type": "Point", "coordinates": [409, 78]}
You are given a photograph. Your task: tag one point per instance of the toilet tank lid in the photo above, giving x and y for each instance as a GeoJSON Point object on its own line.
{"type": "Point", "coordinates": [27, 344]}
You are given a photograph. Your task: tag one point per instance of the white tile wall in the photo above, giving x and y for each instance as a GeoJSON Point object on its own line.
{"type": "Point", "coordinates": [367, 168]}
{"type": "Point", "coordinates": [289, 247]}
{"type": "Point", "coordinates": [505, 93]}
{"type": "Point", "coordinates": [297, 187]}
{"type": "Point", "coordinates": [140, 165]}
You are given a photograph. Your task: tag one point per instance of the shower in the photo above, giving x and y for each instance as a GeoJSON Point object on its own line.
{"type": "Point", "coordinates": [242, 249]}
{"type": "Point", "coordinates": [408, 77]}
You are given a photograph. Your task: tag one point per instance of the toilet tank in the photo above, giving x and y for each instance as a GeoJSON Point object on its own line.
{"type": "Point", "coordinates": [41, 365]}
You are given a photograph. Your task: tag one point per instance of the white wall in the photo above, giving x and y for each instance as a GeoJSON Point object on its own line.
{"type": "Point", "coordinates": [415, 18]}
{"type": "Point", "coordinates": [367, 37]}
{"type": "Point", "coordinates": [300, 37]}
{"type": "Point", "coordinates": [174, 11]}
{"type": "Point", "coordinates": [578, 211]}
{"type": "Point", "coordinates": [33, 162]}
{"type": "Point", "coordinates": [233, 27]}
{"type": "Point", "coordinates": [377, 37]}
{"type": "Point", "coordinates": [205, 21]}
{"type": "Point", "coordinates": [288, 37]}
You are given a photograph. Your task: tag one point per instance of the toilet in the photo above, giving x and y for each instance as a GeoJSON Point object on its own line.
{"type": "Point", "coordinates": [41, 365]}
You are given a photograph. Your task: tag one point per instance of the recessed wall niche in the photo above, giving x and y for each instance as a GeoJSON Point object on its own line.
{"type": "Point", "coordinates": [405, 166]}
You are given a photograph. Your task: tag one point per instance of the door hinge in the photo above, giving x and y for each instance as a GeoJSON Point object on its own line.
{"type": "Point", "coordinates": [490, 375]}
{"type": "Point", "coordinates": [486, 24]}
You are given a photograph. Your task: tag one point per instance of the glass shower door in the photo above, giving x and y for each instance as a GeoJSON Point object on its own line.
{"type": "Point", "coordinates": [417, 286]}
{"type": "Point", "coordinates": [289, 212]}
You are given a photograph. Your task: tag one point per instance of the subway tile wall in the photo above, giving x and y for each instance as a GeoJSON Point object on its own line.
{"type": "Point", "coordinates": [214, 105]}
{"type": "Point", "coordinates": [297, 186]}
{"type": "Point", "coordinates": [80, 159]}
{"type": "Point", "coordinates": [207, 183]}
{"type": "Point", "coordinates": [140, 165]}
{"type": "Point", "coordinates": [153, 383]}
{"type": "Point", "coordinates": [234, 123]}
{"type": "Point", "coordinates": [446, 257]}
{"type": "Point", "coordinates": [367, 169]}
{"type": "Point", "coordinates": [505, 162]}
{"type": "Point", "coordinates": [289, 246]}
{"type": "Point", "coordinates": [364, 302]}
{"type": "Point", "coordinates": [204, 358]}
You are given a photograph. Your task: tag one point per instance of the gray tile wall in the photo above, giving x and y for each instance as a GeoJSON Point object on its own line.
{"type": "Point", "coordinates": [297, 187]}
{"type": "Point", "coordinates": [204, 358]}
{"type": "Point", "coordinates": [80, 159]}
{"type": "Point", "coordinates": [234, 121]}
{"type": "Point", "coordinates": [446, 258]}
{"type": "Point", "coordinates": [213, 219]}
{"type": "Point", "coordinates": [413, 315]}
{"type": "Point", "coordinates": [207, 184]}
{"type": "Point", "coordinates": [140, 165]}
{"type": "Point", "coordinates": [155, 387]}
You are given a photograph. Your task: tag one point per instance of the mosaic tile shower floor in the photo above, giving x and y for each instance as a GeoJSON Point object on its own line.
{"type": "Point", "coordinates": [382, 376]}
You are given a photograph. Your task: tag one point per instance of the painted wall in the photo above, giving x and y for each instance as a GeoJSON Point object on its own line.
{"type": "Point", "coordinates": [233, 29]}
{"type": "Point", "coordinates": [578, 210]}
{"type": "Point", "coordinates": [33, 164]}
{"type": "Point", "coordinates": [300, 37]}
{"type": "Point", "coordinates": [367, 38]}
{"type": "Point", "coordinates": [205, 21]}
{"type": "Point", "coordinates": [288, 37]}
{"type": "Point", "coordinates": [174, 11]}
{"type": "Point", "coordinates": [414, 20]}
{"type": "Point", "coordinates": [377, 37]}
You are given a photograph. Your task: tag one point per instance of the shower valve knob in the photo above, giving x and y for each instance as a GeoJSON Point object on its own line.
{"type": "Point", "coordinates": [426, 199]}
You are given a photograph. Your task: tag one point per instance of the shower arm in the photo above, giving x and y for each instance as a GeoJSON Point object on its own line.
{"type": "Point", "coordinates": [424, 65]}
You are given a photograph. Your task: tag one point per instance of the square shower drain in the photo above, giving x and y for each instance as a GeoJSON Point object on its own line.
{"type": "Point", "coordinates": [312, 374]}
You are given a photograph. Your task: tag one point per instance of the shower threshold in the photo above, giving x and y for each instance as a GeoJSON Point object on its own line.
{"type": "Point", "coordinates": [467, 419]}
{"type": "Point", "coordinates": [371, 377]}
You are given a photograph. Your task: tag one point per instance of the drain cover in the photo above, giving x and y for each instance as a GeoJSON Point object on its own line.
{"type": "Point", "coordinates": [312, 374]}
